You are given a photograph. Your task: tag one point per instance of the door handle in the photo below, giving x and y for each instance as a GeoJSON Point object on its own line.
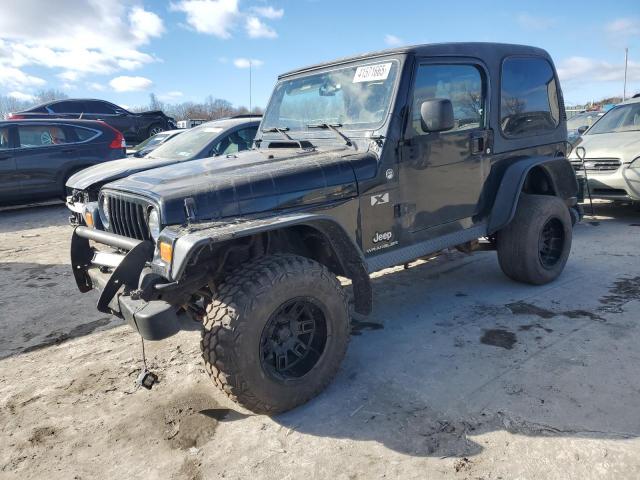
{"type": "Point", "coordinates": [5, 158]}
{"type": "Point", "coordinates": [68, 150]}
{"type": "Point", "coordinates": [480, 142]}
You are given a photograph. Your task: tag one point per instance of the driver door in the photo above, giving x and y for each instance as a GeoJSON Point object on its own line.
{"type": "Point", "coordinates": [442, 173]}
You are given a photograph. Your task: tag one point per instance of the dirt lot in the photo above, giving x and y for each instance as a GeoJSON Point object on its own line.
{"type": "Point", "coordinates": [457, 373]}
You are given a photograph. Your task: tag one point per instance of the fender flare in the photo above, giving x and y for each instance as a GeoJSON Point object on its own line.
{"type": "Point", "coordinates": [347, 252]}
{"type": "Point", "coordinates": [513, 178]}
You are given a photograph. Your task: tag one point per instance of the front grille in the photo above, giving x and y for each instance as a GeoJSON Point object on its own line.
{"type": "Point", "coordinates": [597, 165]}
{"type": "Point", "coordinates": [128, 218]}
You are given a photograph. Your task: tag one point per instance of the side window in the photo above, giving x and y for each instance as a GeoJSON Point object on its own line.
{"type": "Point", "coordinates": [99, 107]}
{"type": "Point", "coordinates": [68, 107]}
{"type": "Point", "coordinates": [236, 141]}
{"type": "Point", "coordinates": [41, 135]}
{"type": "Point", "coordinates": [85, 134]}
{"type": "Point", "coordinates": [4, 138]}
{"type": "Point", "coordinates": [462, 84]}
{"type": "Point", "coordinates": [529, 98]}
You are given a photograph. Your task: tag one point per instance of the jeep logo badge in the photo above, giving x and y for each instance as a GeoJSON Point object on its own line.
{"type": "Point", "coordinates": [379, 199]}
{"type": "Point", "coordinates": [382, 237]}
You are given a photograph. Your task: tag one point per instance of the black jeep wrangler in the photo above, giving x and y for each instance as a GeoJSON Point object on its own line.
{"type": "Point", "coordinates": [360, 164]}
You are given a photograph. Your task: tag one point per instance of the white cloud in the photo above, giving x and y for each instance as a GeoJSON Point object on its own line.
{"type": "Point", "coordinates": [626, 27]}
{"type": "Point", "coordinates": [95, 86]}
{"type": "Point", "coordinates": [257, 29]}
{"type": "Point", "coordinates": [130, 84]}
{"type": "Point", "coordinates": [392, 40]}
{"type": "Point", "coordinates": [77, 36]}
{"type": "Point", "coordinates": [144, 24]}
{"type": "Point", "coordinates": [213, 17]}
{"type": "Point", "coordinates": [533, 22]}
{"type": "Point", "coordinates": [246, 62]}
{"type": "Point", "coordinates": [589, 70]}
{"type": "Point", "coordinates": [15, 78]}
{"type": "Point", "coordinates": [171, 96]}
{"type": "Point", "coordinates": [25, 97]}
{"type": "Point", "coordinates": [269, 12]}
{"type": "Point", "coordinates": [69, 76]}
{"type": "Point", "coordinates": [222, 17]}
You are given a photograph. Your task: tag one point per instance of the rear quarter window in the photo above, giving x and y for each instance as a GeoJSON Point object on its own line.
{"type": "Point", "coordinates": [529, 103]}
{"type": "Point", "coordinates": [85, 134]}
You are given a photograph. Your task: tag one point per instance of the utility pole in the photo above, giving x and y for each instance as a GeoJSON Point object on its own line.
{"type": "Point", "coordinates": [626, 61]}
{"type": "Point", "coordinates": [250, 84]}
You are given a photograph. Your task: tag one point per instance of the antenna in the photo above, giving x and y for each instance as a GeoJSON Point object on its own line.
{"type": "Point", "coordinates": [250, 85]}
{"type": "Point", "coordinates": [626, 61]}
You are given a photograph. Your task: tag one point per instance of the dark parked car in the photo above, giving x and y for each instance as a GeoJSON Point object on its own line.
{"type": "Point", "coordinates": [135, 127]}
{"type": "Point", "coordinates": [217, 138]}
{"type": "Point", "coordinates": [150, 144]}
{"type": "Point", "coordinates": [362, 164]}
{"type": "Point", "coordinates": [37, 157]}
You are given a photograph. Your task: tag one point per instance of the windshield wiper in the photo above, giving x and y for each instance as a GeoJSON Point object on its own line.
{"type": "Point", "coordinates": [334, 128]}
{"type": "Point", "coordinates": [283, 131]}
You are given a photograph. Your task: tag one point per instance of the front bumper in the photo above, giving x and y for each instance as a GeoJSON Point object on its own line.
{"type": "Point", "coordinates": [622, 184]}
{"type": "Point", "coordinates": [127, 286]}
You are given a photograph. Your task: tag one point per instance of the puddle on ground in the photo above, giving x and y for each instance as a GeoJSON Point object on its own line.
{"type": "Point", "coordinates": [624, 290]}
{"type": "Point", "coordinates": [358, 326]}
{"type": "Point", "coordinates": [499, 338]}
{"type": "Point", "coordinates": [523, 308]}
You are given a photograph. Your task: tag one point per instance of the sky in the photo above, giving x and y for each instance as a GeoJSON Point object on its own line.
{"type": "Point", "coordinates": [185, 50]}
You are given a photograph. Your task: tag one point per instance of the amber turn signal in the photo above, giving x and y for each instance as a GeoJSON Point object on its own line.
{"type": "Point", "coordinates": [88, 219]}
{"type": "Point", "coordinates": [166, 252]}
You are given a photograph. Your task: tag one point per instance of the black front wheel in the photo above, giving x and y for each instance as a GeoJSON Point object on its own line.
{"type": "Point", "coordinates": [535, 246]}
{"type": "Point", "coordinates": [276, 332]}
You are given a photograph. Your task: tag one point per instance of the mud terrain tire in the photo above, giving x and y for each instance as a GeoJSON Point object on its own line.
{"type": "Point", "coordinates": [535, 246]}
{"type": "Point", "coordinates": [248, 316]}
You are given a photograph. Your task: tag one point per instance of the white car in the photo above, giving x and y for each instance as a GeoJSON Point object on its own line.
{"type": "Point", "coordinates": [612, 153]}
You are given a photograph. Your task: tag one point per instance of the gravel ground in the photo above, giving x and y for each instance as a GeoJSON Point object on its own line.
{"type": "Point", "coordinates": [458, 373]}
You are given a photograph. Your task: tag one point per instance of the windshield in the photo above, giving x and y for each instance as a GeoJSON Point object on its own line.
{"type": "Point", "coordinates": [583, 120]}
{"type": "Point", "coordinates": [187, 144]}
{"type": "Point", "coordinates": [356, 97]}
{"type": "Point", "coordinates": [157, 139]}
{"type": "Point", "coordinates": [624, 118]}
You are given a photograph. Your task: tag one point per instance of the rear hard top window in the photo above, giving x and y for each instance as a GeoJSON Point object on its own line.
{"type": "Point", "coordinates": [529, 97]}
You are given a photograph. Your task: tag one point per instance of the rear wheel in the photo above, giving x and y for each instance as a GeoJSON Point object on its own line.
{"type": "Point", "coordinates": [275, 333]}
{"type": "Point", "coordinates": [535, 246]}
{"type": "Point", "coordinates": [155, 129]}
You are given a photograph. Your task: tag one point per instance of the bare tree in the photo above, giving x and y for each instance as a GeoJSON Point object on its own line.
{"type": "Point", "coordinates": [49, 95]}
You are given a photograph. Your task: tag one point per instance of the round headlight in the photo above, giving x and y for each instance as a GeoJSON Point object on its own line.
{"type": "Point", "coordinates": [103, 210]}
{"type": "Point", "coordinates": [153, 220]}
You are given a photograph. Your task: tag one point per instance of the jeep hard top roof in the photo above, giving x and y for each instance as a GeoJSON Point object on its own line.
{"type": "Point", "coordinates": [483, 50]}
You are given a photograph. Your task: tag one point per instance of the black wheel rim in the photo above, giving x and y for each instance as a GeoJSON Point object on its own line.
{"type": "Point", "coordinates": [551, 242]}
{"type": "Point", "coordinates": [156, 130]}
{"type": "Point", "coordinates": [293, 339]}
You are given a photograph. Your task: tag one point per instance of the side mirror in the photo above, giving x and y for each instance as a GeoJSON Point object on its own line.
{"type": "Point", "coordinates": [583, 129]}
{"type": "Point", "coordinates": [436, 115]}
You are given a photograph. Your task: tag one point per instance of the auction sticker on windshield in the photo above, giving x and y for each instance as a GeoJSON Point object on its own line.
{"type": "Point", "coordinates": [370, 73]}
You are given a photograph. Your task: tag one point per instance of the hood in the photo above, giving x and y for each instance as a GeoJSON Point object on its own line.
{"type": "Point", "coordinates": [622, 145]}
{"type": "Point", "coordinates": [109, 171]}
{"type": "Point", "coordinates": [253, 181]}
